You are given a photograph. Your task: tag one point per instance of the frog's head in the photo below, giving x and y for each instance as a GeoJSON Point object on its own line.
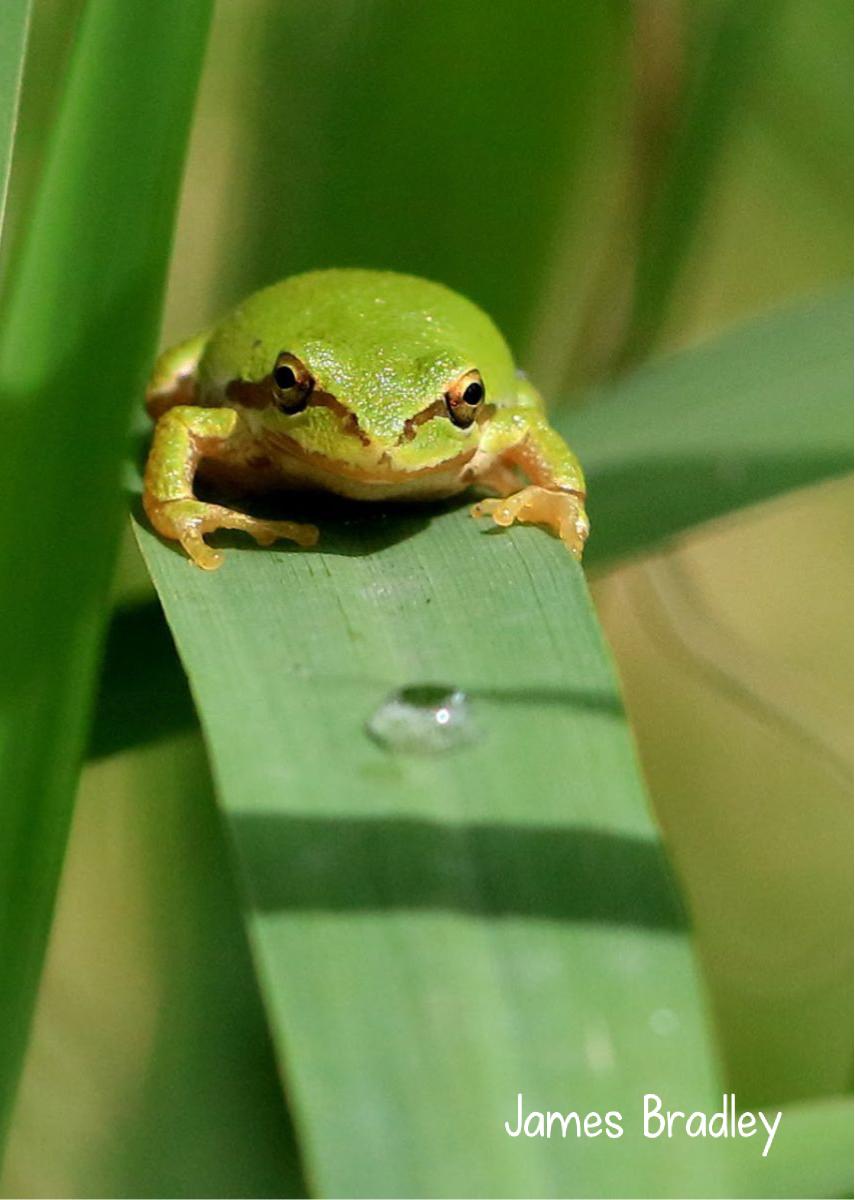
{"type": "Point", "coordinates": [378, 372]}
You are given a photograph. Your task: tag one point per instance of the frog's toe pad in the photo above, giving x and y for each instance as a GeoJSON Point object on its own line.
{"type": "Point", "coordinates": [199, 552]}
{"type": "Point", "coordinates": [189, 520]}
{"type": "Point", "coordinates": [268, 532]}
{"type": "Point", "coordinates": [562, 512]}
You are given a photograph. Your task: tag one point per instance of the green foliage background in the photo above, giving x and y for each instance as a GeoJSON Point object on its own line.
{"type": "Point", "coordinates": [616, 182]}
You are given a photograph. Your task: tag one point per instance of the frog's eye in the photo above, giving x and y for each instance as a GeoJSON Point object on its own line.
{"type": "Point", "coordinates": [292, 383]}
{"type": "Point", "coordinates": [464, 397]}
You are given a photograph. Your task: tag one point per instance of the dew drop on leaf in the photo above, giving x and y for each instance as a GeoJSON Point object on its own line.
{"type": "Point", "coordinates": [423, 718]}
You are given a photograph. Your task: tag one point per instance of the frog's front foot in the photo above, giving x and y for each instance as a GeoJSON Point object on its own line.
{"type": "Point", "coordinates": [562, 512]}
{"type": "Point", "coordinates": [187, 522]}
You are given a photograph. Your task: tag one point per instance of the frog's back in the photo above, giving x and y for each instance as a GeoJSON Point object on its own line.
{"type": "Point", "coordinates": [356, 314]}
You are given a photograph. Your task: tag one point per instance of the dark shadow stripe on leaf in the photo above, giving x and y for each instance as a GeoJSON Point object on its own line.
{"type": "Point", "coordinates": [382, 865]}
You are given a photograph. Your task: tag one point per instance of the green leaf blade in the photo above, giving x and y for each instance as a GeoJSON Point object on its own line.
{"type": "Point", "coordinates": [740, 419]}
{"type": "Point", "coordinates": [14, 24]}
{"type": "Point", "coordinates": [427, 930]}
{"type": "Point", "coordinates": [811, 1155]}
{"type": "Point", "coordinates": [71, 365]}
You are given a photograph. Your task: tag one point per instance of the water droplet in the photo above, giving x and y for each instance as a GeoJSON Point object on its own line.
{"type": "Point", "coordinates": [424, 718]}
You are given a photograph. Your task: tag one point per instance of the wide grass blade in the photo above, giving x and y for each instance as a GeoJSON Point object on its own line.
{"type": "Point", "coordinates": [436, 934]}
{"type": "Point", "coordinates": [761, 410]}
{"type": "Point", "coordinates": [14, 22]}
{"type": "Point", "coordinates": [77, 337]}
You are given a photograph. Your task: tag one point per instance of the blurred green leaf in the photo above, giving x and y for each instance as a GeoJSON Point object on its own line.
{"type": "Point", "coordinates": [142, 691]}
{"type": "Point", "coordinates": [77, 337]}
{"type": "Point", "coordinates": [14, 20]}
{"type": "Point", "coordinates": [211, 1119]}
{"type": "Point", "coordinates": [811, 1154]}
{"type": "Point", "coordinates": [435, 934]}
{"type": "Point", "coordinates": [51, 39]}
{"type": "Point", "coordinates": [445, 144]}
{"type": "Point", "coordinates": [805, 98]}
{"type": "Point", "coordinates": [760, 410]}
{"type": "Point", "coordinates": [681, 140]}
{"type": "Point", "coordinates": [150, 1070]}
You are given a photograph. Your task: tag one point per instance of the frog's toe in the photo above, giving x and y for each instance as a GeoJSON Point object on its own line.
{"type": "Point", "coordinates": [188, 520]}
{"type": "Point", "coordinates": [573, 532]}
{"type": "Point", "coordinates": [185, 521]}
{"type": "Point", "coordinates": [497, 509]}
{"type": "Point", "coordinates": [505, 511]}
{"type": "Point", "coordinates": [200, 552]}
{"type": "Point", "coordinates": [562, 512]}
{"type": "Point", "coordinates": [268, 532]}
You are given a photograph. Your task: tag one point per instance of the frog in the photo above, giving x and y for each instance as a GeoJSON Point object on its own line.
{"type": "Point", "coordinates": [373, 385]}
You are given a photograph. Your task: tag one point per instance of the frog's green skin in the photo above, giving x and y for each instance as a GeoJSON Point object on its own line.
{"type": "Point", "coordinates": [380, 353]}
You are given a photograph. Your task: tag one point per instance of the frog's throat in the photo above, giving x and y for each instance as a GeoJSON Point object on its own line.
{"type": "Point", "coordinates": [287, 450]}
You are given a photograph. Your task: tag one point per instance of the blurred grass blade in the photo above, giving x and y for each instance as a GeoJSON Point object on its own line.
{"type": "Point", "coordinates": [446, 144]}
{"type": "Point", "coordinates": [804, 98]}
{"type": "Point", "coordinates": [764, 408]}
{"type": "Point", "coordinates": [77, 338]}
{"type": "Point", "coordinates": [436, 934]}
{"type": "Point", "coordinates": [134, 707]}
{"type": "Point", "coordinates": [14, 22]}
{"type": "Point", "coordinates": [723, 55]}
{"type": "Point", "coordinates": [149, 1010]}
{"type": "Point", "coordinates": [811, 1154]}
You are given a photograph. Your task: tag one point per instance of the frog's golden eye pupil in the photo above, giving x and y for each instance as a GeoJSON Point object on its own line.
{"type": "Point", "coordinates": [474, 393]}
{"type": "Point", "coordinates": [285, 377]}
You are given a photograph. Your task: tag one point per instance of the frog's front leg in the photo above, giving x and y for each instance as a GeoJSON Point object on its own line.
{"type": "Point", "coordinates": [523, 438]}
{"type": "Point", "coordinates": [182, 437]}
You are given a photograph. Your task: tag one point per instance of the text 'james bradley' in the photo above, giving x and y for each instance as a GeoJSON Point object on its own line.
{"type": "Point", "coordinates": [657, 1121]}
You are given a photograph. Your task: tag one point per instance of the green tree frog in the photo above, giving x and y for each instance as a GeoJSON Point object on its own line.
{"type": "Point", "coordinates": [369, 384]}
